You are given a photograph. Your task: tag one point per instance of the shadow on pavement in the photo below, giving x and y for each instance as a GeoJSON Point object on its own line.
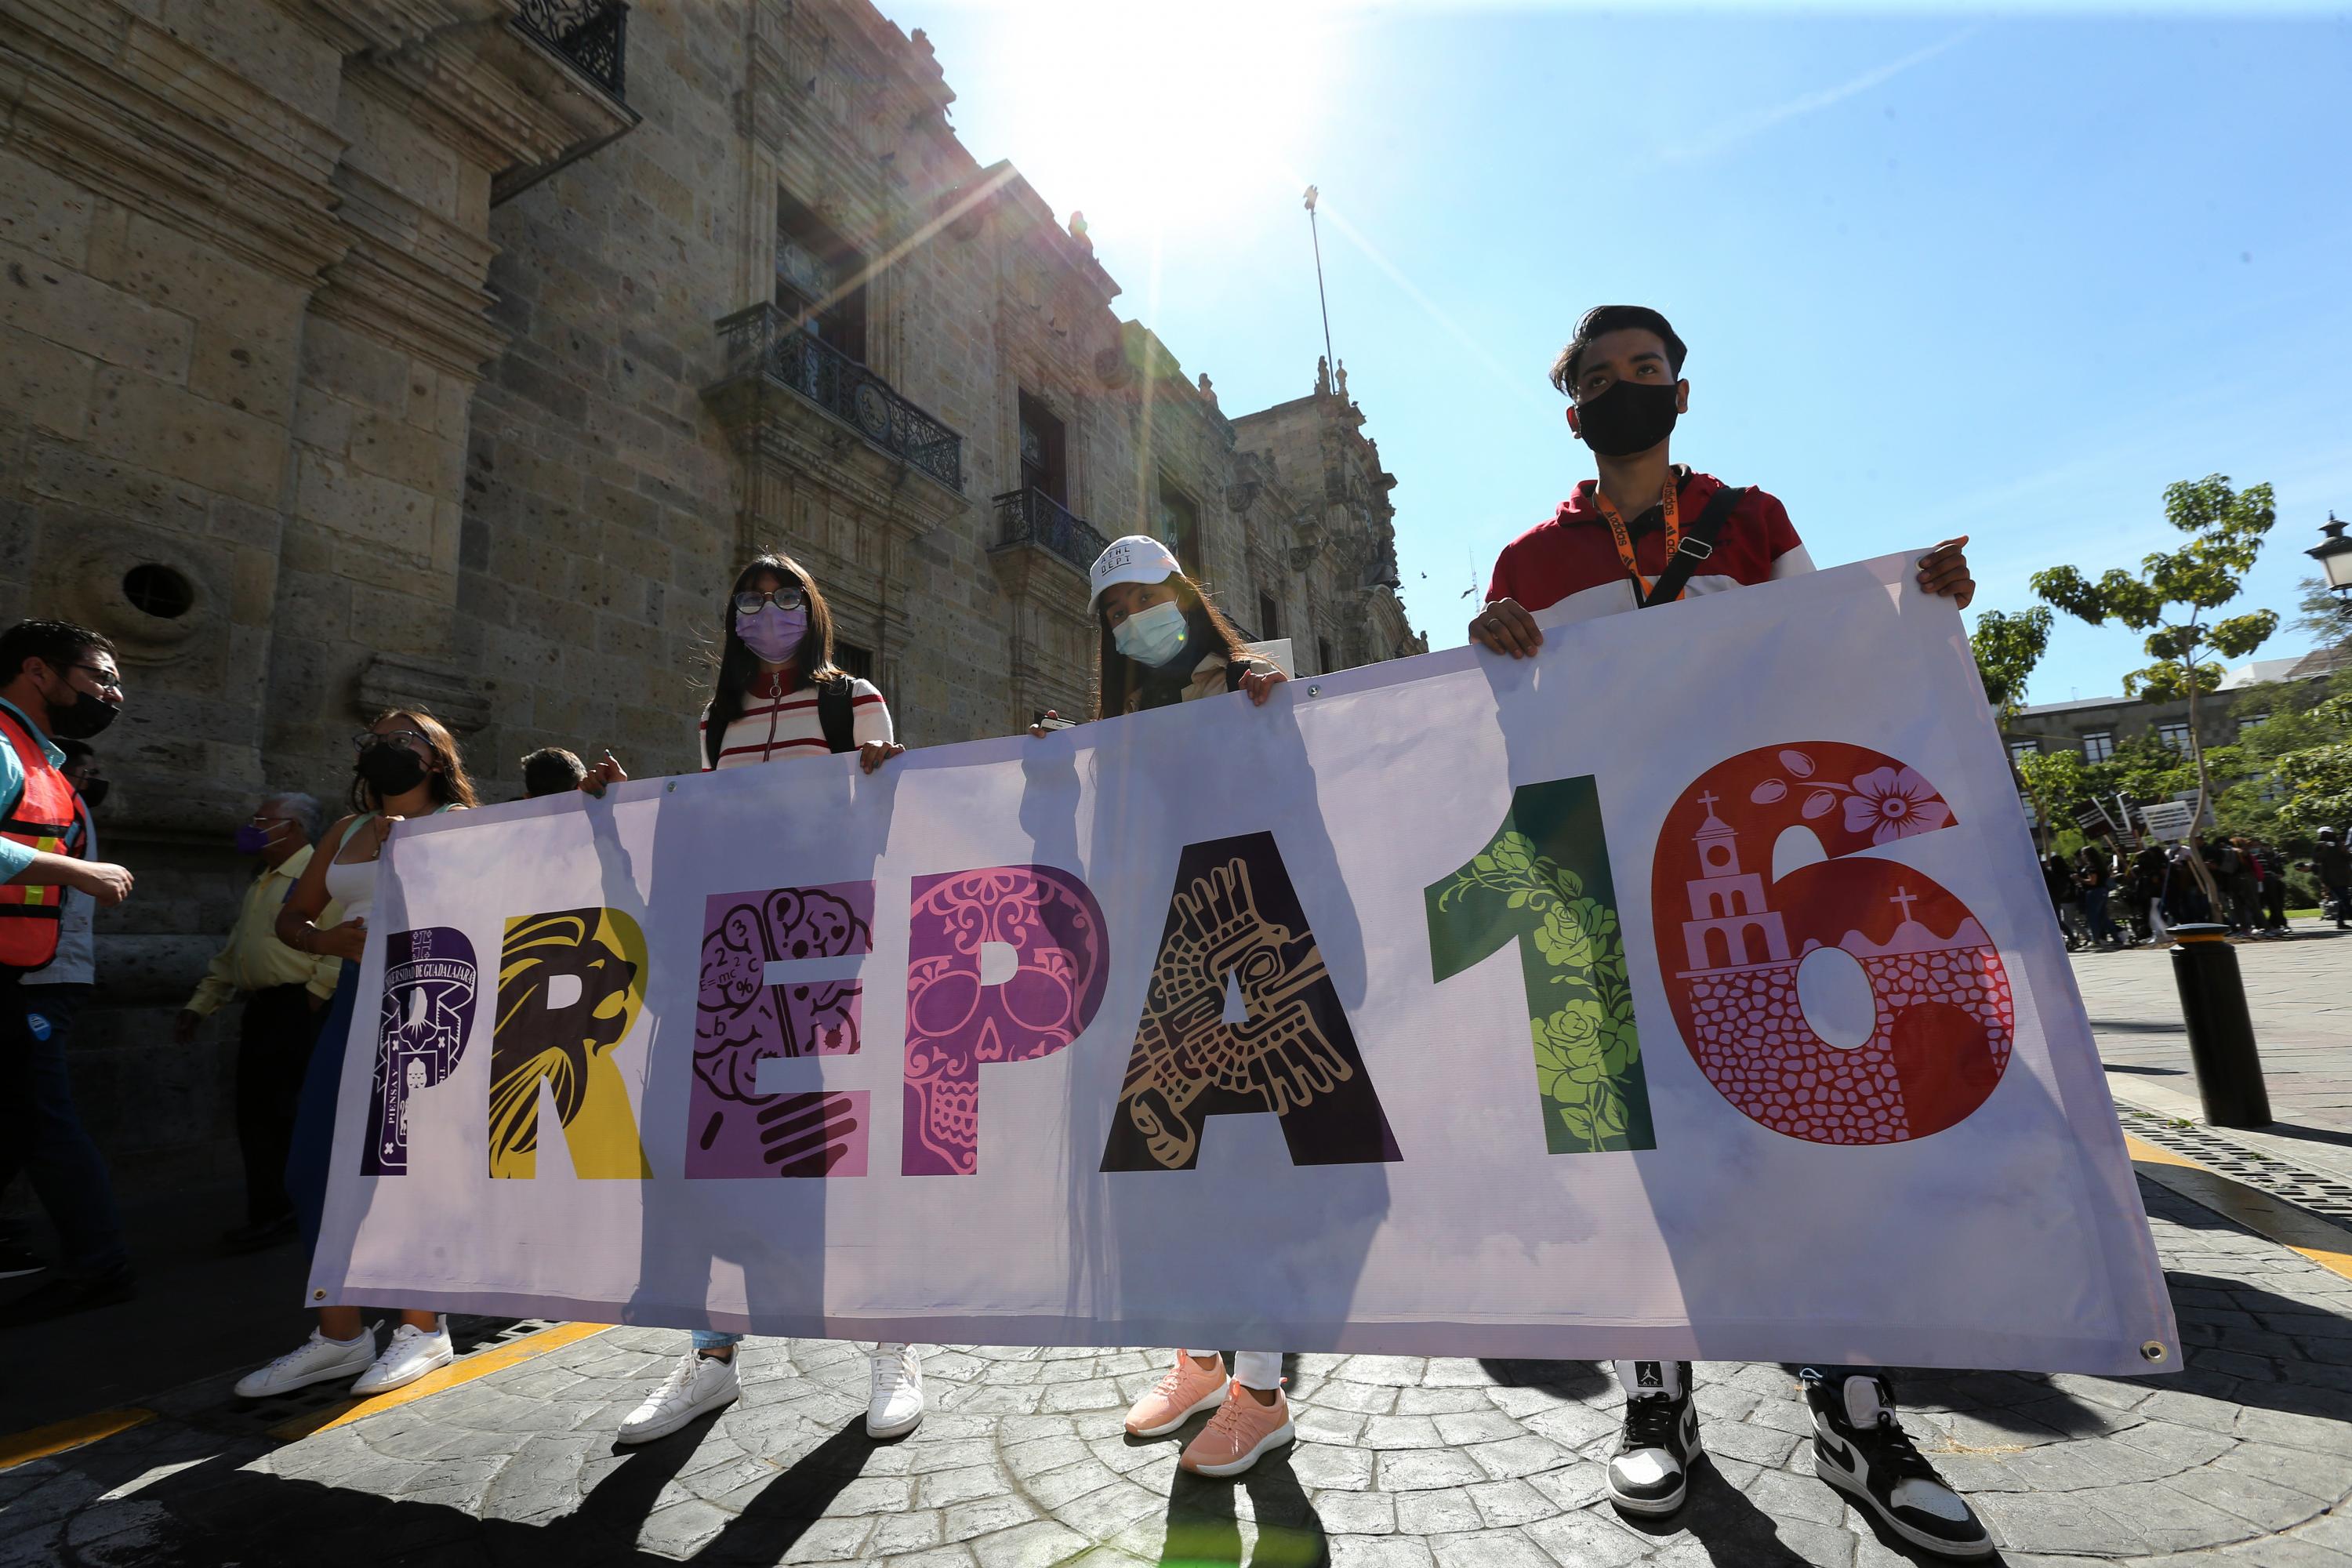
{"type": "Point", "coordinates": [1577, 1380]}
{"type": "Point", "coordinates": [1204, 1524]}
{"type": "Point", "coordinates": [220, 1515]}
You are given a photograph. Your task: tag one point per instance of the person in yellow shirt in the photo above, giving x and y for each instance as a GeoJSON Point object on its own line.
{"type": "Point", "coordinates": [284, 992]}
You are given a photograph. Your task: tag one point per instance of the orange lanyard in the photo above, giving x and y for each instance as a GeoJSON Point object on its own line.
{"type": "Point", "coordinates": [1617, 531]}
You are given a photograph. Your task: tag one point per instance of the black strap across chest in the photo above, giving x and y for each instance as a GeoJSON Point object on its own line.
{"type": "Point", "coordinates": [1698, 543]}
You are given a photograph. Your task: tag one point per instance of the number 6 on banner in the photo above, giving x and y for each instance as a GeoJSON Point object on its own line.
{"type": "Point", "coordinates": [1941, 1026]}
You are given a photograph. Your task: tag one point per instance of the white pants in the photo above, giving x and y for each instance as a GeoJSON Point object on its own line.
{"type": "Point", "coordinates": [1261, 1370]}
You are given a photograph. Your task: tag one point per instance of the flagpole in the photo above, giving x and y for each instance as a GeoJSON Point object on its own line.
{"type": "Point", "coordinates": [1320, 298]}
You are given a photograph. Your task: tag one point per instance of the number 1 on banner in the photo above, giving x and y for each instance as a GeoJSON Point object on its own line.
{"type": "Point", "coordinates": [1542, 881]}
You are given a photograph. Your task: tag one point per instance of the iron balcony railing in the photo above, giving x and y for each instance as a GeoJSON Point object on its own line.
{"type": "Point", "coordinates": [765, 341]}
{"type": "Point", "coordinates": [1030, 516]}
{"type": "Point", "coordinates": [593, 34]}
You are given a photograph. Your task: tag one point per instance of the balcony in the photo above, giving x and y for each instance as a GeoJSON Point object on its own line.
{"type": "Point", "coordinates": [1032, 517]}
{"type": "Point", "coordinates": [593, 34]}
{"type": "Point", "coordinates": [766, 349]}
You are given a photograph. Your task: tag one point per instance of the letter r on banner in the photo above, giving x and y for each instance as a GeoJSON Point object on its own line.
{"type": "Point", "coordinates": [571, 983]}
{"type": "Point", "coordinates": [1004, 964]}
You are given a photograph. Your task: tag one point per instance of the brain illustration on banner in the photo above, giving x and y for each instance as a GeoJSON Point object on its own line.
{"type": "Point", "coordinates": [429, 986]}
{"type": "Point", "coordinates": [1240, 1016]}
{"type": "Point", "coordinates": [1731, 939]}
{"type": "Point", "coordinates": [773, 985]}
{"type": "Point", "coordinates": [1542, 883]}
{"type": "Point", "coordinates": [1004, 964]}
{"type": "Point", "coordinates": [571, 983]}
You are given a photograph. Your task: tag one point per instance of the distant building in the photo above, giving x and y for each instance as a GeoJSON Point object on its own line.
{"type": "Point", "coordinates": [2096, 726]}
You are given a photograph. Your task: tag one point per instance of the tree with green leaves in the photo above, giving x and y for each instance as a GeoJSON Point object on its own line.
{"type": "Point", "coordinates": [2007, 647]}
{"type": "Point", "coordinates": [2172, 599]}
{"type": "Point", "coordinates": [2326, 614]}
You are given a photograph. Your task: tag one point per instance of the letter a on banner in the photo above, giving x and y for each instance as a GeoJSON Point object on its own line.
{"type": "Point", "coordinates": [1235, 924]}
{"type": "Point", "coordinates": [570, 985]}
{"type": "Point", "coordinates": [1542, 882]}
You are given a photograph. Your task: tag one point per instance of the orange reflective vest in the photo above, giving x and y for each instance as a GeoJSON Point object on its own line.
{"type": "Point", "coordinates": [43, 819]}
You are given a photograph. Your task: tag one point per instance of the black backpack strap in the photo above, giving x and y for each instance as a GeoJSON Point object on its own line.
{"type": "Point", "coordinates": [1698, 543]}
{"type": "Point", "coordinates": [834, 700]}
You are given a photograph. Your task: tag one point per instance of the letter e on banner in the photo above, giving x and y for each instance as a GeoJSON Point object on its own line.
{"type": "Point", "coordinates": [427, 1008]}
{"type": "Point", "coordinates": [1732, 941]}
{"type": "Point", "coordinates": [571, 983]}
{"type": "Point", "coordinates": [1235, 924]}
{"type": "Point", "coordinates": [1004, 964]}
{"type": "Point", "coordinates": [777, 981]}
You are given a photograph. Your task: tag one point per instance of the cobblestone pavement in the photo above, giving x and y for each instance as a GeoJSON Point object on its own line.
{"type": "Point", "coordinates": [2244, 1457]}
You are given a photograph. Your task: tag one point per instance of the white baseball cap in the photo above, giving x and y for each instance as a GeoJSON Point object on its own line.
{"type": "Point", "coordinates": [1137, 558]}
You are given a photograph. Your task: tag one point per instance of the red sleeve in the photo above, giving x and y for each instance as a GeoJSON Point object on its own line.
{"type": "Point", "coordinates": [1499, 586]}
{"type": "Point", "coordinates": [1780, 533]}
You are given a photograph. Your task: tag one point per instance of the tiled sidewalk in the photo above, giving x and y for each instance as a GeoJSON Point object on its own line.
{"type": "Point", "coordinates": [2240, 1458]}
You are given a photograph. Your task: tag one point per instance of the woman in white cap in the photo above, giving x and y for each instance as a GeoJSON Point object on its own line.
{"type": "Point", "coordinates": [1163, 642]}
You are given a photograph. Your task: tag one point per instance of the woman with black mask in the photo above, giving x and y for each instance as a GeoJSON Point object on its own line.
{"type": "Point", "coordinates": [407, 765]}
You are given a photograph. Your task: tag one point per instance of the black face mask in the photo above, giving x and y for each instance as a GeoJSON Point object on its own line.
{"type": "Point", "coordinates": [390, 768]}
{"type": "Point", "coordinates": [85, 718]}
{"type": "Point", "coordinates": [1628, 417]}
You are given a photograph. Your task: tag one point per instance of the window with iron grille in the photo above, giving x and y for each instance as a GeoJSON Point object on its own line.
{"type": "Point", "coordinates": [854, 661]}
{"type": "Point", "coordinates": [1269, 624]}
{"type": "Point", "coordinates": [1179, 526]}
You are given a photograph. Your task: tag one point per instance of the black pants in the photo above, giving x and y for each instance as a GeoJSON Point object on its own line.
{"type": "Point", "coordinates": [273, 1048]}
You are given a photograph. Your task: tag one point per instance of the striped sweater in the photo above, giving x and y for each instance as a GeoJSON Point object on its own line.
{"type": "Point", "coordinates": [776, 724]}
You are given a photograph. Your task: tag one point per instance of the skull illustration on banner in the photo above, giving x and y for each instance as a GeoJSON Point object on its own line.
{"type": "Point", "coordinates": [429, 986]}
{"type": "Point", "coordinates": [1049, 929]}
{"type": "Point", "coordinates": [1941, 1031]}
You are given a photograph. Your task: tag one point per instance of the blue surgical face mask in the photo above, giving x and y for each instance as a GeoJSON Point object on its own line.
{"type": "Point", "coordinates": [775, 635]}
{"type": "Point", "coordinates": [1152, 636]}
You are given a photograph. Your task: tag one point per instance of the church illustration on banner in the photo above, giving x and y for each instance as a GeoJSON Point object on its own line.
{"type": "Point", "coordinates": [1942, 1033]}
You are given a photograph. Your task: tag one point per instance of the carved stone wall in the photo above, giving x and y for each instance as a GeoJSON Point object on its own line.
{"type": "Point", "coordinates": [388, 337]}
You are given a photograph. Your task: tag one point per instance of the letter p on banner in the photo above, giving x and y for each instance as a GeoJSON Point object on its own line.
{"type": "Point", "coordinates": [1004, 964]}
{"type": "Point", "coordinates": [429, 986]}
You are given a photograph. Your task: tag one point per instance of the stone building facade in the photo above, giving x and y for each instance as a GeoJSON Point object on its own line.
{"type": "Point", "coordinates": [453, 353]}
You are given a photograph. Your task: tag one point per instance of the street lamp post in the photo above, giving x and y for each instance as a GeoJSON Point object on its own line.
{"type": "Point", "coordinates": [2333, 554]}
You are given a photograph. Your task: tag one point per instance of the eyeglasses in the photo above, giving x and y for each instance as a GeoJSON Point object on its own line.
{"type": "Point", "coordinates": [366, 738]}
{"type": "Point", "coordinates": [748, 603]}
{"type": "Point", "coordinates": [105, 681]}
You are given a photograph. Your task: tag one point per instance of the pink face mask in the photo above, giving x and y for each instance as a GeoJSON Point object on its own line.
{"type": "Point", "coordinates": [773, 634]}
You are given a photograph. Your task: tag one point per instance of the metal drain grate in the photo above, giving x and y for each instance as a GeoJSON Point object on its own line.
{"type": "Point", "coordinates": [2327, 1196]}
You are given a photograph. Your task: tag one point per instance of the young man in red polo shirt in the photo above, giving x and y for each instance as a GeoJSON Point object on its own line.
{"type": "Point", "coordinates": [1605, 549]}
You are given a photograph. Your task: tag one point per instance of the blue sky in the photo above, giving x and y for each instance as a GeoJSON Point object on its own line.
{"type": "Point", "coordinates": [2003, 275]}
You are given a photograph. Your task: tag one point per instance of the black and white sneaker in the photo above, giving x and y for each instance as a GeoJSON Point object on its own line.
{"type": "Point", "coordinates": [1650, 1475]}
{"type": "Point", "coordinates": [1860, 1448]}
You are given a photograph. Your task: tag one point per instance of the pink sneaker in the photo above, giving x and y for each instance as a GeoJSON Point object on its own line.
{"type": "Point", "coordinates": [1187, 1389]}
{"type": "Point", "coordinates": [1239, 1434]}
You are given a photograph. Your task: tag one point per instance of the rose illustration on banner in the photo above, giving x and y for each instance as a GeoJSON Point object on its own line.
{"type": "Point", "coordinates": [1941, 1031]}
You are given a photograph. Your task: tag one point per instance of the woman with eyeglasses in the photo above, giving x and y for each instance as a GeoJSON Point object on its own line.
{"type": "Point", "coordinates": [404, 765]}
{"type": "Point", "coordinates": [777, 695]}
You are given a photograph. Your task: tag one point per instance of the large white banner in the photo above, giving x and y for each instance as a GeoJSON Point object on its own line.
{"type": "Point", "coordinates": [1687, 991]}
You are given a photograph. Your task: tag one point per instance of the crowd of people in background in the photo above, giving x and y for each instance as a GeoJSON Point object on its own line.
{"type": "Point", "coordinates": [2110, 896]}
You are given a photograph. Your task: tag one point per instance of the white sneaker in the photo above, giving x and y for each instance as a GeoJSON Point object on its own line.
{"type": "Point", "coordinates": [895, 1408]}
{"type": "Point", "coordinates": [696, 1383]}
{"type": "Point", "coordinates": [412, 1353]}
{"type": "Point", "coordinates": [318, 1359]}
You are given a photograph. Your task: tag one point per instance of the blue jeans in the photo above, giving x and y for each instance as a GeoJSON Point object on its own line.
{"type": "Point", "coordinates": [41, 1132]}
{"type": "Point", "coordinates": [713, 1339]}
{"type": "Point", "coordinates": [2095, 911]}
{"type": "Point", "coordinates": [310, 1150]}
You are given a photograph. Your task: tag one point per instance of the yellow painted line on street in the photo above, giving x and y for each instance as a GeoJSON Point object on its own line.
{"type": "Point", "coordinates": [457, 1371]}
{"type": "Point", "coordinates": [2297, 1229]}
{"type": "Point", "coordinates": [24, 1447]}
